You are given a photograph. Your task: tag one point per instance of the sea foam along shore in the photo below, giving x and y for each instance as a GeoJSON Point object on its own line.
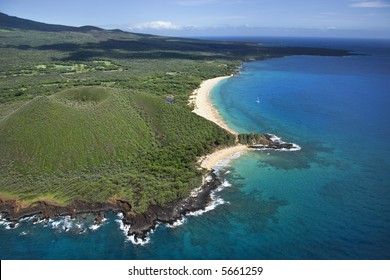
{"type": "Point", "coordinates": [142, 224]}
{"type": "Point", "coordinates": [211, 160]}
{"type": "Point", "coordinates": [204, 108]}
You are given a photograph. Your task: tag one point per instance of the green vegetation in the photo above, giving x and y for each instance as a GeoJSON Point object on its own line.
{"type": "Point", "coordinates": [99, 143]}
{"type": "Point", "coordinates": [84, 116]}
{"type": "Point", "coordinates": [78, 97]}
{"type": "Point", "coordinates": [83, 112]}
{"type": "Point", "coordinates": [252, 139]}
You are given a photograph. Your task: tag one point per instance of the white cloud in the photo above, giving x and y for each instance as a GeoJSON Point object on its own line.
{"type": "Point", "coordinates": [371, 4]}
{"type": "Point", "coordinates": [155, 25]}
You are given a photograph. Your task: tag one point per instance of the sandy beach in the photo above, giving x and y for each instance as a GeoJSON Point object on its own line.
{"type": "Point", "coordinates": [203, 105]}
{"type": "Point", "coordinates": [205, 109]}
{"type": "Point", "coordinates": [211, 160]}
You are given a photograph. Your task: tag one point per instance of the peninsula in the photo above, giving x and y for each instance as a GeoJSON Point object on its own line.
{"type": "Point", "coordinates": [94, 120]}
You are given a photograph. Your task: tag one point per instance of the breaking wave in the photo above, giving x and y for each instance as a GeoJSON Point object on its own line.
{"type": "Point", "coordinates": [125, 229]}
{"type": "Point", "coordinates": [277, 140]}
{"type": "Point", "coordinates": [215, 200]}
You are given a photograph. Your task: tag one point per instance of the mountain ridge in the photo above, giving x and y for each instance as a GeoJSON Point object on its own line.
{"type": "Point", "coordinates": [7, 21]}
{"type": "Point", "coordinates": [88, 114]}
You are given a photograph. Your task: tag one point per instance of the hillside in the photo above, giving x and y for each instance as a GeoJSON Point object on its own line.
{"type": "Point", "coordinates": [15, 22]}
{"type": "Point", "coordinates": [84, 116]}
{"type": "Point", "coordinates": [103, 143]}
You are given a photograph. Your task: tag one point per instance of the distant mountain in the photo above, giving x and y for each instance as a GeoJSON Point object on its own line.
{"type": "Point", "coordinates": [12, 22]}
{"type": "Point", "coordinates": [86, 118]}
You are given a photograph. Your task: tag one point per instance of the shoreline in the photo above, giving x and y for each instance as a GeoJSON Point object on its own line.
{"type": "Point", "coordinates": [139, 225]}
{"type": "Point", "coordinates": [205, 108]}
{"type": "Point", "coordinates": [142, 223]}
{"type": "Point", "coordinates": [203, 105]}
{"type": "Point", "coordinates": [211, 160]}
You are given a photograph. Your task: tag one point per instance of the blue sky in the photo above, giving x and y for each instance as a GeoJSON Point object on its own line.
{"type": "Point", "coordinates": [332, 18]}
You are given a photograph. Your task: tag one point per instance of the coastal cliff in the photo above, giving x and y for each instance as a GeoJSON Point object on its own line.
{"type": "Point", "coordinates": [106, 137]}
{"type": "Point", "coordinates": [140, 223]}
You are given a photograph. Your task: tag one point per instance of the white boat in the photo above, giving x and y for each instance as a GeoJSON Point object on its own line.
{"type": "Point", "coordinates": [258, 100]}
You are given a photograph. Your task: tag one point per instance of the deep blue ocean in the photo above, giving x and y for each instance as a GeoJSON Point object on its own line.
{"type": "Point", "coordinates": [330, 200]}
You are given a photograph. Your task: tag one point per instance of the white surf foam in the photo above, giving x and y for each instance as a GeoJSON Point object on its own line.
{"type": "Point", "coordinates": [81, 228]}
{"type": "Point", "coordinates": [225, 184]}
{"type": "Point", "coordinates": [125, 229]}
{"type": "Point", "coordinates": [64, 224]}
{"type": "Point", "coordinates": [216, 200]}
{"type": "Point", "coordinates": [67, 224]}
{"type": "Point", "coordinates": [122, 226]}
{"type": "Point", "coordinates": [293, 149]}
{"type": "Point", "coordinates": [56, 224]}
{"type": "Point", "coordinates": [94, 227]}
{"type": "Point", "coordinates": [2, 219]}
{"type": "Point", "coordinates": [226, 161]}
{"type": "Point", "coordinates": [7, 225]}
{"type": "Point", "coordinates": [211, 206]}
{"type": "Point", "coordinates": [279, 140]}
{"type": "Point", "coordinates": [40, 221]}
{"type": "Point", "coordinates": [275, 138]}
{"type": "Point", "coordinates": [47, 222]}
{"type": "Point", "coordinates": [139, 241]}
{"type": "Point", "coordinates": [177, 223]}
{"type": "Point", "coordinates": [27, 219]}
{"type": "Point", "coordinates": [97, 226]}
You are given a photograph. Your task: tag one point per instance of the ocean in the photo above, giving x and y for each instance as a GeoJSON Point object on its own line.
{"type": "Point", "coordinates": [329, 200]}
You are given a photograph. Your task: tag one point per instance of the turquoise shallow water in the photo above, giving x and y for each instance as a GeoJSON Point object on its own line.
{"type": "Point", "coordinates": [330, 200]}
{"type": "Point", "coordinates": [336, 189]}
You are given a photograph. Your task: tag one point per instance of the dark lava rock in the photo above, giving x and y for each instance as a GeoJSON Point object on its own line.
{"type": "Point", "coordinates": [99, 218]}
{"type": "Point", "coordinates": [142, 223]}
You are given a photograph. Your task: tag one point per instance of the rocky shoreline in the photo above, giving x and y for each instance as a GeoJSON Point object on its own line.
{"type": "Point", "coordinates": [140, 223]}
{"type": "Point", "coordinates": [273, 142]}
